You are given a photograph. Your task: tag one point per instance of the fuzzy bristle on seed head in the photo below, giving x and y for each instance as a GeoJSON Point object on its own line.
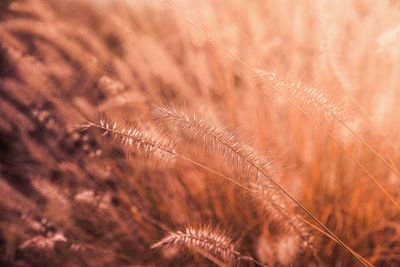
{"type": "Point", "coordinates": [311, 100]}
{"type": "Point", "coordinates": [135, 139]}
{"type": "Point", "coordinates": [248, 165]}
{"type": "Point", "coordinates": [211, 240]}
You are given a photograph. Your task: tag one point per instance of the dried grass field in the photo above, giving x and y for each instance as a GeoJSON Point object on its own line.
{"type": "Point", "coordinates": [199, 133]}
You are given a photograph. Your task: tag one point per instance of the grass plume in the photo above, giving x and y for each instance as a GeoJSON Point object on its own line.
{"type": "Point", "coordinates": [212, 240]}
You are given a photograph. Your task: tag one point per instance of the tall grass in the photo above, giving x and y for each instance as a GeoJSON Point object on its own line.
{"type": "Point", "coordinates": [238, 133]}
